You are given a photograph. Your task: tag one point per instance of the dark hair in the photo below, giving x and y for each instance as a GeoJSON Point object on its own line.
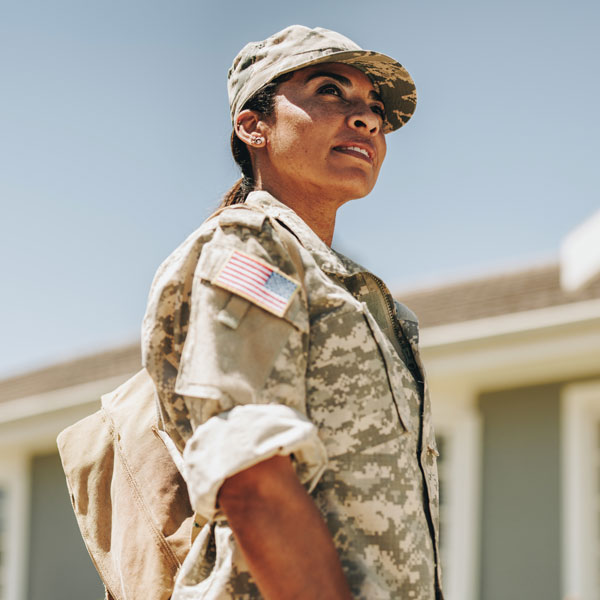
{"type": "Point", "coordinates": [264, 103]}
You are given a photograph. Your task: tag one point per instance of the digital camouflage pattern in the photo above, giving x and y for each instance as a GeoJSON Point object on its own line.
{"type": "Point", "coordinates": [346, 356]}
{"type": "Point", "coordinates": [296, 47]}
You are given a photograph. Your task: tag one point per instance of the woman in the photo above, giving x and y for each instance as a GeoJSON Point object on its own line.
{"type": "Point", "coordinates": [285, 373]}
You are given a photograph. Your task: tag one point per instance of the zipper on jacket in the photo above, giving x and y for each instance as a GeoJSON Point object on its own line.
{"type": "Point", "coordinates": [407, 353]}
{"type": "Point", "coordinates": [412, 366]}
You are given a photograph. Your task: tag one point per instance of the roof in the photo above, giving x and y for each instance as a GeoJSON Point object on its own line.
{"type": "Point", "coordinates": [120, 361]}
{"type": "Point", "coordinates": [519, 291]}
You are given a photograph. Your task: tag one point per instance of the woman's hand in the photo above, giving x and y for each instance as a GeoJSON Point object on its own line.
{"type": "Point", "coordinates": [282, 535]}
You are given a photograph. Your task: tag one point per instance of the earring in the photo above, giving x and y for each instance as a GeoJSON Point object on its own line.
{"type": "Point", "coordinates": [256, 141]}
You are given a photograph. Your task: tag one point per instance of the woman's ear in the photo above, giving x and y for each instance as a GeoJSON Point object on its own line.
{"type": "Point", "coordinates": [249, 128]}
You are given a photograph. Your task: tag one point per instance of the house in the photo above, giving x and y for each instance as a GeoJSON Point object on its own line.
{"type": "Point", "coordinates": [514, 369]}
{"type": "Point", "coordinates": [513, 361]}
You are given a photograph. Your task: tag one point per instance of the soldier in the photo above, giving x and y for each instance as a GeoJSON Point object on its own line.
{"type": "Point", "coordinates": [287, 378]}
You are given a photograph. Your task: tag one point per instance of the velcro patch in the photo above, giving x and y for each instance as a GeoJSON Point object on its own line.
{"type": "Point", "coordinates": [242, 217]}
{"type": "Point", "coordinates": [258, 282]}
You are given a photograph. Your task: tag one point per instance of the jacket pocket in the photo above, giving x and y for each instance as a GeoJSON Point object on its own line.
{"type": "Point", "coordinates": [402, 384]}
{"type": "Point", "coordinates": [349, 395]}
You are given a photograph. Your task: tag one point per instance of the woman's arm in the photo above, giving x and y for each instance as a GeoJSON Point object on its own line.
{"type": "Point", "coordinates": [282, 535]}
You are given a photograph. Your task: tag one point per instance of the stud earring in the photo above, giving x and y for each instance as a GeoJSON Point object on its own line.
{"type": "Point", "coordinates": [257, 141]}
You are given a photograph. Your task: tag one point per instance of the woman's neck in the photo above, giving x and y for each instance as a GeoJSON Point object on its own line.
{"type": "Point", "coordinates": [317, 212]}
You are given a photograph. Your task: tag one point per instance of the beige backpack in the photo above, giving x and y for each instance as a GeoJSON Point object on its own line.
{"type": "Point", "coordinates": [131, 503]}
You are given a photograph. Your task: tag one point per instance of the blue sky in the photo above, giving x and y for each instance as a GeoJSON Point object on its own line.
{"type": "Point", "coordinates": [114, 131]}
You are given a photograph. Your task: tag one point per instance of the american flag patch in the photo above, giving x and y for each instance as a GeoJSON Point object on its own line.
{"type": "Point", "coordinates": [258, 282]}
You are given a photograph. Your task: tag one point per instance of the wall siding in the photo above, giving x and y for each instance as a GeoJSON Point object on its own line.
{"type": "Point", "coordinates": [520, 530]}
{"type": "Point", "coordinates": [59, 564]}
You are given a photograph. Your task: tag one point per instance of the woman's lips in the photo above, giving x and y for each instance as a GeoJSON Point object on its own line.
{"type": "Point", "coordinates": [359, 151]}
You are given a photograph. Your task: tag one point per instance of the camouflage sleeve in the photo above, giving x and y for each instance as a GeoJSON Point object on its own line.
{"type": "Point", "coordinates": [243, 364]}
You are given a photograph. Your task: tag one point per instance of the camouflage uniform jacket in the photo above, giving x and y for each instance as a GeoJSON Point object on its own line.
{"type": "Point", "coordinates": [333, 378]}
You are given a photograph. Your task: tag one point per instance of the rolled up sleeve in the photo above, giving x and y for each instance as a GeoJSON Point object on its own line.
{"type": "Point", "coordinates": [242, 437]}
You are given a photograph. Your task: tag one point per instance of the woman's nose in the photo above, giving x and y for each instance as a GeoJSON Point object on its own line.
{"type": "Point", "coordinates": [364, 119]}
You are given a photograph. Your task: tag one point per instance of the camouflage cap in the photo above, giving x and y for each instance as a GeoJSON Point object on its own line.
{"type": "Point", "coordinates": [296, 47]}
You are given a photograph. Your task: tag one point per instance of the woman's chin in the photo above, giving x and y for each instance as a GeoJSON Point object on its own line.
{"type": "Point", "coordinates": [352, 188]}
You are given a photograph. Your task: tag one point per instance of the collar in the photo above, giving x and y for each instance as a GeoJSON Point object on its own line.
{"type": "Point", "coordinates": [327, 259]}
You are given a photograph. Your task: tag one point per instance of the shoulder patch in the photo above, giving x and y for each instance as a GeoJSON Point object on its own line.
{"type": "Point", "coordinates": [258, 282]}
{"type": "Point", "coordinates": [242, 216]}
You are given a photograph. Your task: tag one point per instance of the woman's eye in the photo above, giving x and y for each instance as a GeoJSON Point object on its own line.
{"type": "Point", "coordinates": [330, 88]}
{"type": "Point", "coordinates": [379, 110]}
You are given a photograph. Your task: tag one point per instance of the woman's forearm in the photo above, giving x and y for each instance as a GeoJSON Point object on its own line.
{"type": "Point", "coordinates": [282, 535]}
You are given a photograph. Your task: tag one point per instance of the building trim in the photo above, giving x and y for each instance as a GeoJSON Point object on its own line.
{"type": "Point", "coordinates": [458, 423]}
{"type": "Point", "coordinates": [556, 345]}
{"type": "Point", "coordinates": [14, 478]}
{"type": "Point", "coordinates": [509, 324]}
{"type": "Point", "coordinates": [580, 520]}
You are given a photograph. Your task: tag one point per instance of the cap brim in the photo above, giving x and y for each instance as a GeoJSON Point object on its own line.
{"type": "Point", "coordinates": [394, 83]}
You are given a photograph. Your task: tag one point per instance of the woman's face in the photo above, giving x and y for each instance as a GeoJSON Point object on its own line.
{"type": "Point", "coordinates": [325, 136]}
